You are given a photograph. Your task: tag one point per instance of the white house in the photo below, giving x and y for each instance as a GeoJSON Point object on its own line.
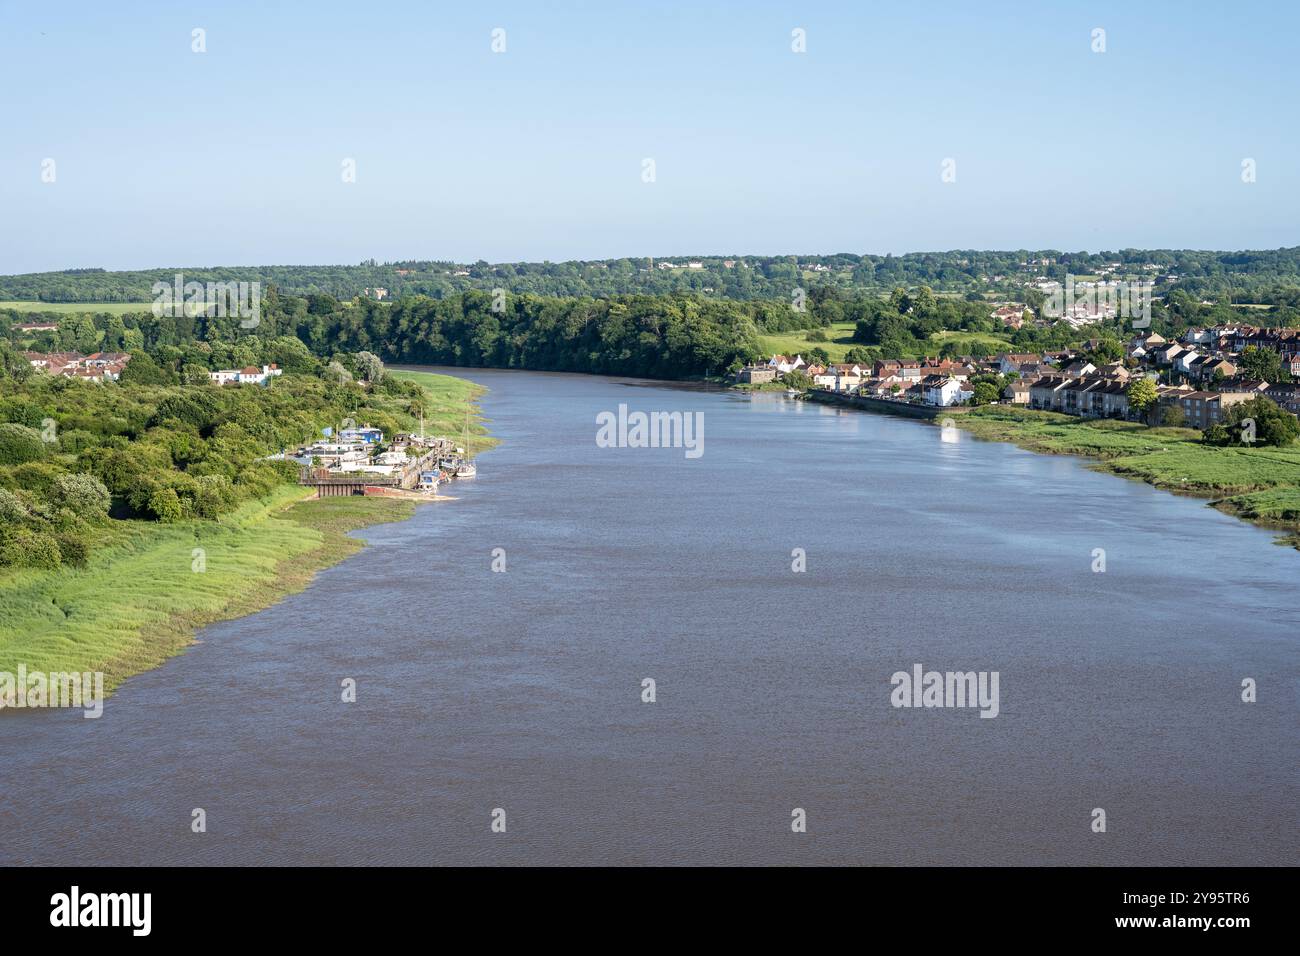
{"type": "Point", "coordinates": [847, 377]}
{"type": "Point", "coordinates": [245, 376]}
{"type": "Point", "coordinates": [783, 363]}
{"type": "Point", "coordinates": [1183, 361]}
{"type": "Point", "coordinates": [946, 391]}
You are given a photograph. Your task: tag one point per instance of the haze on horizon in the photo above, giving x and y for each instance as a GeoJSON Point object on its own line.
{"type": "Point", "coordinates": [234, 156]}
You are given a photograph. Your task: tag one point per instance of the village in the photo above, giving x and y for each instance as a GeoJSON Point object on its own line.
{"type": "Point", "coordinates": [353, 461]}
{"type": "Point", "coordinates": [356, 460]}
{"type": "Point", "coordinates": [108, 367]}
{"type": "Point", "coordinates": [98, 367]}
{"type": "Point", "coordinates": [1200, 374]}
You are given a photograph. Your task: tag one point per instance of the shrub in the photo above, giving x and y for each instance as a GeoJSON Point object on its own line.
{"type": "Point", "coordinates": [19, 444]}
{"type": "Point", "coordinates": [76, 440]}
{"type": "Point", "coordinates": [197, 408]}
{"type": "Point", "coordinates": [73, 549]}
{"type": "Point", "coordinates": [165, 505]}
{"type": "Point", "coordinates": [37, 476]}
{"type": "Point", "coordinates": [12, 509]}
{"type": "Point", "coordinates": [1259, 421]}
{"type": "Point", "coordinates": [213, 495]}
{"type": "Point", "coordinates": [24, 548]}
{"type": "Point", "coordinates": [82, 493]}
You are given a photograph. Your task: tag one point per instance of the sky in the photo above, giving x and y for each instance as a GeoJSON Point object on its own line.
{"type": "Point", "coordinates": [163, 156]}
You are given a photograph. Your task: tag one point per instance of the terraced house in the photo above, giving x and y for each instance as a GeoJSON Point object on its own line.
{"type": "Point", "coordinates": [1203, 409]}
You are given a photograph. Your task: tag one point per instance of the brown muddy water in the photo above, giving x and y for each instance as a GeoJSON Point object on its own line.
{"type": "Point", "coordinates": [522, 690]}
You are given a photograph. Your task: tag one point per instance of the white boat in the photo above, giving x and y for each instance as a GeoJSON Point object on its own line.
{"type": "Point", "coordinates": [464, 467]}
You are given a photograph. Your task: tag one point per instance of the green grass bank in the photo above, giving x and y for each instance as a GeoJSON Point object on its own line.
{"type": "Point", "coordinates": [1260, 485]}
{"type": "Point", "coordinates": [149, 587]}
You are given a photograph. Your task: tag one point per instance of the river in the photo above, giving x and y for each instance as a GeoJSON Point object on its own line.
{"type": "Point", "coordinates": [521, 690]}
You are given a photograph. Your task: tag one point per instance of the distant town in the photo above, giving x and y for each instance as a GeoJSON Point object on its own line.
{"type": "Point", "coordinates": [1196, 377]}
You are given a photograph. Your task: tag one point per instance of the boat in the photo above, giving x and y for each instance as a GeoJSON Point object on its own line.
{"type": "Point", "coordinates": [464, 467]}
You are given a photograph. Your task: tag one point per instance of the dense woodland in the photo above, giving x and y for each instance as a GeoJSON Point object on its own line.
{"type": "Point", "coordinates": [674, 337]}
{"type": "Point", "coordinates": [1267, 276]}
{"type": "Point", "coordinates": [163, 444]}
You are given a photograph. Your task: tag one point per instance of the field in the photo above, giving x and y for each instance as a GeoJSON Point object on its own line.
{"type": "Point", "coordinates": [113, 308]}
{"type": "Point", "coordinates": [1261, 485]}
{"type": "Point", "coordinates": [151, 585]}
{"type": "Point", "coordinates": [840, 338]}
{"type": "Point", "coordinates": [448, 399]}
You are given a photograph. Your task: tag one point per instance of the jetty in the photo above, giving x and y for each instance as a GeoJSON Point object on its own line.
{"type": "Point", "coordinates": [354, 466]}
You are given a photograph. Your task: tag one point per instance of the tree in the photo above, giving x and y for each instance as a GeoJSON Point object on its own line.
{"type": "Point", "coordinates": [369, 367]}
{"type": "Point", "coordinates": [986, 393]}
{"type": "Point", "coordinates": [165, 505]}
{"type": "Point", "coordinates": [81, 493]}
{"type": "Point", "coordinates": [1257, 422]}
{"type": "Point", "coordinates": [143, 370]}
{"type": "Point", "coordinates": [1142, 395]}
{"type": "Point", "coordinates": [1172, 416]}
{"type": "Point", "coordinates": [19, 443]}
{"type": "Point", "coordinates": [1263, 364]}
{"type": "Point", "coordinates": [12, 509]}
{"type": "Point", "coordinates": [797, 379]}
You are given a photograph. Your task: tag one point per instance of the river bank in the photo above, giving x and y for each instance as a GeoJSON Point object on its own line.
{"type": "Point", "coordinates": [523, 689]}
{"type": "Point", "coordinates": [1258, 485]}
{"type": "Point", "coordinates": [151, 586]}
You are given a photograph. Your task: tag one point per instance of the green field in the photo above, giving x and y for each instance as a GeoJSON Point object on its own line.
{"type": "Point", "coordinates": [841, 340]}
{"type": "Point", "coordinates": [1261, 485]}
{"type": "Point", "coordinates": [113, 308]}
{"type": "Point", "coordinates": [449, 397]}
{"type": "Point", "coordinates": [141, 596]}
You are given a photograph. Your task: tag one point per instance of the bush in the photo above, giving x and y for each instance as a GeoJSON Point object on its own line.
{"type": "Point", "coordinates": [82, 493]}
{"type": "Point", "coordinates": [73, 549]}
{"type": "Point", "coordinates": [197, 408]}
{"type": "Point", "coordinates": [1259, 421]}
{"type": "Point", "coordinates": [213, 495]}
{"type": "Point", "coordinates": [12, 509]}
{"type": "Point", "coordinates": [37, 476]}
{"type": "Point", "coordinates": [19, 444]}
{"type": "Point", "coordinates": [24, 548]}
{"type": "Point", "coordinates": [76, 440]}
{"type": "Point", "coordinates": [165, 505]}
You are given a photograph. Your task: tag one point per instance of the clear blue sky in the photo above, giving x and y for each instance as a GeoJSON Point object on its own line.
{"type": "Point", "coordinates": [165, 157]}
